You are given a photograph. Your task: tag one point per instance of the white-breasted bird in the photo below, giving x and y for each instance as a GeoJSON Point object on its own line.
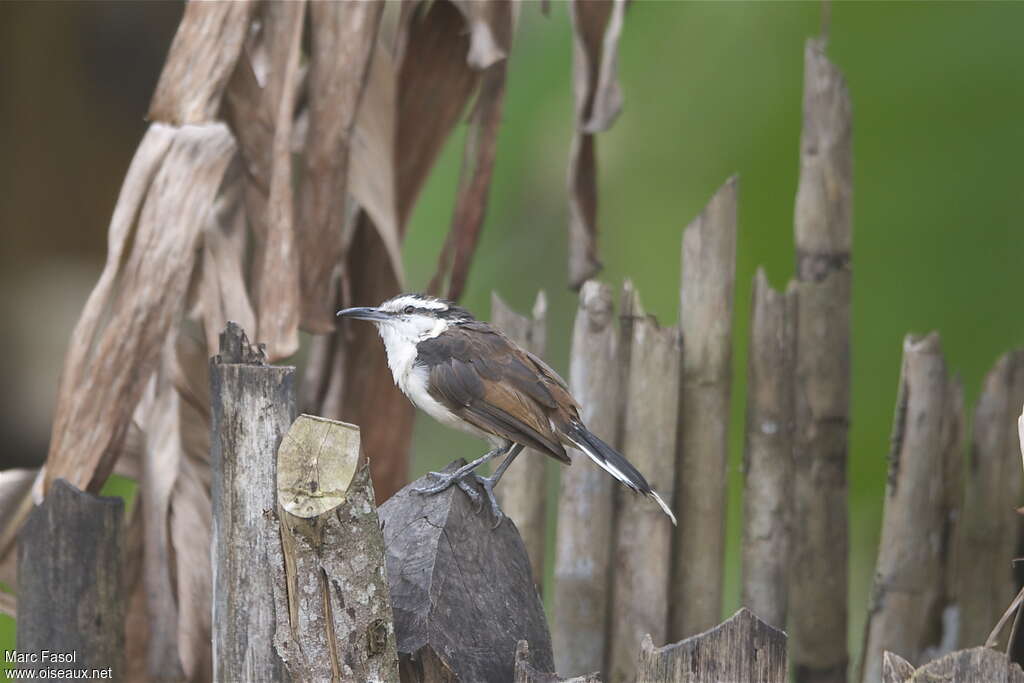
{"type": "Point", "coordinates": [468, 375]}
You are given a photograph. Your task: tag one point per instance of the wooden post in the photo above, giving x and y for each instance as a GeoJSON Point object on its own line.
{"type": "Point", "coordinates": [334, 618]}
{"type": "Point", "coordinates": [768, 456]}
{"type": "Point", "coordinates": [705, 322]}
{"type": "Point", "coordinates": [823, 226]}
{"type": "Point", "coordinates": [461, 590]}
{"type": "Point", "coordinates": [743, 648]}
{"type": "Point", "coordinates": [70, 593]}
{"type": "Point", "coordinates": [526, 673]}
{"type": "Point", "coordinates": [253, 406]}
{"type": "Point", "coordinates": [963, 666]}
{"type": "Point", "coordinates": [988, 525]}
{"type": "Point", "coordinates": [523, 492]}
{"type": "Point", "coordinates": [643, 540]}
{"type": "Point", "coordinates": [583, 547]}
{"type": "Point", "coordinates": [909, 590]}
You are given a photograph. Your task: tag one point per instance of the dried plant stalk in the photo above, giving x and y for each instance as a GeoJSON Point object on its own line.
{"type": "Point", "coordinates": [768, 457]}
{"type": "Point", "coordinates": [989, 523]}
{"type": "Point", "coordinates": [643, 540]}
{"type": "Point", "coordinates": [823, 226]}
{"type": "Point", "coordinates": [523, 491]}
{"type": "Point", "coordinates": [908, 596]}
{"type": "Point", "coordinates": [586, 501]}
{"type": "Point", "coordinates": [705, 319]}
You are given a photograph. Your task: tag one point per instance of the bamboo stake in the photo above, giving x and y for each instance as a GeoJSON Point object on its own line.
{"type": "Point", "coordinates": [643, 542]}
{"type": "Point", "coordinates": [705, 319]}
{"type": "Point", "coordinates": [768, 459]}
{"type": "Point", "coordinates": [988, 527]}
{"type": "Point", "coordinates": [823, 227]}
{"type": "Point", "coordinates": [582, 579]}
{"type": "Point", "coordinates": [906, 607]}
{"type": "Point", "coordinates": [253, 407]}
{"type": "Point", "coordinates": [523, 492]}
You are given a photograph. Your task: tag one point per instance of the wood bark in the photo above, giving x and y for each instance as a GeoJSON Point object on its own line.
{"type": "Point", "coordinates": [586, 501]}
{"type": "Point", "coordinates": [334, 621]}
{"type": "Point", "coordinates": [743, 648]}
{"type": "Point", "coordinates": [989, 523]}
{"type": "Point", "coordinates": [461, 590]}
{"type": "Point", "coordinates": [526, 673]}
{"type": "Point", "coordinates": [963, 666]}
{"type": "Point", "coordinates": [70, 592]}
{"type": "Point", "coordinates": [702, 454]}
{"type": "Point", "coordinates": [643, 540]}
{"type": "Point", "coordinates": [523, 491]}
{"type": "Point", "coordinates": [909, 588]}
{"type": "Point", "coordinates": [253, 405]}
{"type": "Point", "coordinates": [823, 227]}
{"type": "Point", "coordinates": [768, 457]}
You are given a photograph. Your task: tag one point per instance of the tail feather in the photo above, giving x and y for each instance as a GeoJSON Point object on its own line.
{"type": "Point", "coordinates": [614, 463]}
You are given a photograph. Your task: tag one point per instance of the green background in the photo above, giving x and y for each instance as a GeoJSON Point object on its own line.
{"type": "Point", "coordinates": [711, 89]}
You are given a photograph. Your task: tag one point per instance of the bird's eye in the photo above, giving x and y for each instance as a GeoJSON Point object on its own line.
{"type": "Point", "coordinates": [408, 310]}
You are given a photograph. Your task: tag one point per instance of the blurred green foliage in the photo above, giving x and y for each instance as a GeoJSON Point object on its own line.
{"type": "Point", "coordinates": [714, 89]}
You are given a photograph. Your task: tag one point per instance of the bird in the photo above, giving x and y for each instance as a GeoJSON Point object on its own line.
{"type": "Point", "coordinates": [468, 375]}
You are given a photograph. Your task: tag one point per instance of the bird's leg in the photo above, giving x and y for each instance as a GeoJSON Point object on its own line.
{"type": "Point", "coordinates": [456, 477]}
{"type": "Point", "coordinates": [490, 482]}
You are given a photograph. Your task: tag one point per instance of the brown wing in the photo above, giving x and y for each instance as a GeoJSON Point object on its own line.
{"type": "Point", "coordinates": [493, 384]}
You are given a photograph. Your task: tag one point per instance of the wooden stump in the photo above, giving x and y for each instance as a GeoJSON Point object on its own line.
{"type": "Point", "coordinates": [743, 648]}
{"type": "Point", "coordinates": [976, 665]}
{"type": "Point", "coordinates": [253, 406]}
{"type": "Point", "coordinates": [526, 673]}
{"type": "Point", "coordinates": [461, 591]}
{"type": "Point", "coordinates": [333, 615]}
{"type": "Point", "coordinates": [70, 598]}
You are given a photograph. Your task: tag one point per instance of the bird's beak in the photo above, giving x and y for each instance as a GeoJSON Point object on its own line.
{"type": "Point", "coordinates": [364, 313]}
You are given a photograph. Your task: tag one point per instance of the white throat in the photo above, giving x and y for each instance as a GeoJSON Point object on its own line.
{"type": "Point", "coordinates": [400, 338]}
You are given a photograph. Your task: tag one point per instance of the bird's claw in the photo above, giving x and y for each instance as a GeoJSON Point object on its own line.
{"type": "Point", "coordinates": [488, 485]}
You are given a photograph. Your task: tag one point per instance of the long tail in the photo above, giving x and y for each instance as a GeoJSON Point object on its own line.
{"type": "Point", "coordinates": [614, 463]}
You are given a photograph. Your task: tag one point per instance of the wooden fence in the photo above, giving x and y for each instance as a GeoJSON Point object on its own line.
{"type": "Point", "coordinates": [313, 582]}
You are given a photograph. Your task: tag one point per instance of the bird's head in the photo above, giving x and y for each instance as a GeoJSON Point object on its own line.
{"type": "Point", "coordinates": [410, 317]}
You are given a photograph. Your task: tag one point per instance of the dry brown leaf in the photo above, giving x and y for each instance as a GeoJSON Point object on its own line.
{"type": "Point", "coordinates": [490, 31]}
{"type": "Point", "coordinates": [15, 504]}
{"type": "Point", "coordinates": [474, 184]}
{"type": "Point", "coordinates": [278, 288]}
{"type": "Point", "coordinates": [343, 36]}
{"type": "Point", "coordinates": [116, 343]}
{"type": "Point", "coordinates": [597, 25]}
{"type": "Point", "coordinates": [202, 57]}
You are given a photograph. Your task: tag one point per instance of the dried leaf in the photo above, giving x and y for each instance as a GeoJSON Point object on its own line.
{"type": "Point", "coordinates": [343, 36]}
{"type": "Point", "coordinates": [597, 25]}
{"type": "Point", "coordinates": [116, 343]}
{"type": "Point", "coordinates": [490, 31]}
{"type": "Point", "coordinates": [477, 168]}
{"type": "Point", "coordinates": [202, 57]}
{"type": "Point", "coordinates": [315, 465]}
{"type": "Point", "coordinates": [15, 504]}
{"type": "Point", "coordinates": [278, 288]}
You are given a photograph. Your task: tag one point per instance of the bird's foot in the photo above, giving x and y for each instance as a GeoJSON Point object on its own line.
{"type": "Point", "coordinates": [456, 478]}
{"type": "Point", "coordinates": [488, 484]}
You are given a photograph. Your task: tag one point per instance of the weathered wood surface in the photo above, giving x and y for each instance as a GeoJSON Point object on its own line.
{"type": "Point", "coordinates": [976, 665]}
{"type": "Point", "coordinates": [253, 406]}
{"type": "Point", "coordinates": [705, 322]}
{"type": "Point", "coordinates": [523, 491]}
{"type": "Point", "coordinates": [908, 597]}
{"type": "Point", "coordinates": [459, 588]}
{"type": "Point", "coordinates": [643, 538]}
{"type": "Point", "coordinates": [70, 592]}
{"type": "Point", "coordinates": [824, 235]}
{"type": "Point", "coordinates": [583, 547]}
{"type": "Point", "coordinates": [768, 455]}
{"type": "Point", "coordinates": [334, 618]}
{"type": "Point", "coordinates": [989, 524]}
{"type": "Point", "coordinates": [526, 673]}
{"type": "Point", "coordinates": [743, 648]}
